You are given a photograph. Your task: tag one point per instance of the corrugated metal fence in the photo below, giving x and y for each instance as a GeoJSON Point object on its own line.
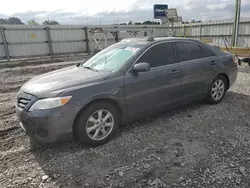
{"type": "Point", "coordinates": [214, 30]}
{"type": "Point", "coordinates": [28, 41]}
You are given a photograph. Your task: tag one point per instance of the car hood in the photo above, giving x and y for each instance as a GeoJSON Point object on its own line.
{"type": "Point", "coordinates": [53, 83]}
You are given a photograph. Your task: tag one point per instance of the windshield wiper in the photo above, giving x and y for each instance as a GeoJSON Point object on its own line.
{"type": "Point", "coordinates": [90, 69]}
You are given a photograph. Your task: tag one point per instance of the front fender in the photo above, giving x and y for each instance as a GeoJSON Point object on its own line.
{"type": "Point", "coordinates": [112, 89]}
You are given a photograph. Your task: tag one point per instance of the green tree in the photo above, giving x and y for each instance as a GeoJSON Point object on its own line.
{"type": "Point", "coordinates": [137, 23]}
{"type": "Point", "coordinates": [123, 24]}
{"type": "Point", "coordinates": [50, 22]}
{"type": "Point", "coordinates": [11, 20]}
{"type": "Point", "coordinates": [32, 22]}
{"type": "Point", "coordinates": [14, 20]}
{"type": "Point", "coordinates": [2, 21]}
{"type": "Point", "coordinates": [147, 23]}
{"type": "Point", "coordinates": [130, 23]}
{"type": "Point", "coordinates": [155, 23]}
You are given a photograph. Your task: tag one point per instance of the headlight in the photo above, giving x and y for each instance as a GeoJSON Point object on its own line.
{"type": "Point", "coordinates": [49, 103]}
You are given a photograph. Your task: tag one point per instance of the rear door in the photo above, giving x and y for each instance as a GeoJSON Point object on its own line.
{"type": "Point", "coordinates": [151, 90]}
{"type": "Point", "coordinates": [197, 65]}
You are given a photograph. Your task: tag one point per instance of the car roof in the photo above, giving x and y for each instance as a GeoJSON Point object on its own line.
{"type": "Point", "coordinates": [148, 41]}
{"type": "Point", "coordinates": [156, 39]}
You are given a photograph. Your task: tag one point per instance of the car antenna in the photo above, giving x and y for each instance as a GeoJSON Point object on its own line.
{"type": "Point", "coordinates": [150, 38]}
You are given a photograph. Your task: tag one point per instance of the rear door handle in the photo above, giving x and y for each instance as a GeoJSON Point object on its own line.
{"type": "Point", "coordinates": [212, 62]}
{"type": "Point", "coordinates": [174, 71]}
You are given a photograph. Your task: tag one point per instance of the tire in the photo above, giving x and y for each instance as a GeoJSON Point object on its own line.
{"type": "Point", "coordinates": [98, 125]}
{"type": "Point", "coordinates": [213, 98]}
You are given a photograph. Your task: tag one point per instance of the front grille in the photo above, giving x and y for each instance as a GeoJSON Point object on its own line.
{"type": "Point", "coordinates": [22, 102]}
{"type": "Point", "coordinates": [24, 99]}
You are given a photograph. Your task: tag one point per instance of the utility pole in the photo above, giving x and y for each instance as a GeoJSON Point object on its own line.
{"type": "Point", "coordinates": [236, 23]}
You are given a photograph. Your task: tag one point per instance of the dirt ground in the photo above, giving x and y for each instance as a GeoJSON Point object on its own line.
{"type": "Point", "coordinates": [194, 146]}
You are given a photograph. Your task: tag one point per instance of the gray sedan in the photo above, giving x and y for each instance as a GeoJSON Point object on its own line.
{"type": "Point", "coordinates": [126, 80]}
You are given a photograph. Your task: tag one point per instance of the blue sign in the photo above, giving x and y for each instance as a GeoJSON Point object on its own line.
{"type": "Point", "coordinates": [160, 11]}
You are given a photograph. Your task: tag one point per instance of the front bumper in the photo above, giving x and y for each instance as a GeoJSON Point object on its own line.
{"type": "Point", "coordinates": [51, 125]}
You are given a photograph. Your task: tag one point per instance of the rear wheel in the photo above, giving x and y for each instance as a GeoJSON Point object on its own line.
{"type": "Point", "coordinates": [97, 124]}
{"type": "Point", "coordinates": [217, 90]}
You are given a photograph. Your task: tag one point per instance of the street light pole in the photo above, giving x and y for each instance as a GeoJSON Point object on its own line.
{"type": "Point", "coordinates": [236, 22]}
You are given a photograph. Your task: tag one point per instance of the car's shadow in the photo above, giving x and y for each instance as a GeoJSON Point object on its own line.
{"type": "Point", "coordinates": [69, 164]}
{"type": "Point", "coordinates": [137, 122]}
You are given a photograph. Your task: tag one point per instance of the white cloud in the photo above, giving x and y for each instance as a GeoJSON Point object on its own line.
{"type": "Point", "coordinates": [110, 11]}
{"type": "Point", "coordinates": [91, 7]}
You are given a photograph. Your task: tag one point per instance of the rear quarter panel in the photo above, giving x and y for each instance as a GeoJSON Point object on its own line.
{"type": "Point", "coordinates": [228, 66]}
{"type": "Point", "coordinates": [224, 64]}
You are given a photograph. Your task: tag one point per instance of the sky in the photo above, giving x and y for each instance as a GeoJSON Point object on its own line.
{"type": "Point", "coordinates": [81, 12]}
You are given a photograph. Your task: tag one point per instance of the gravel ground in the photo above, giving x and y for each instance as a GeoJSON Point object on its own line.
{"type": "Point", "coordinates": [194, 146]}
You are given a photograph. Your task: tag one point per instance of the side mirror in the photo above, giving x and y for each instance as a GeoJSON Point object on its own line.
{"type": "Point", "coordinates": [141, 67]}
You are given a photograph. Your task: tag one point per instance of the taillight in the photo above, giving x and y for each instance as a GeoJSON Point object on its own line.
{"type": "Point", "coordinates": [236, 60]}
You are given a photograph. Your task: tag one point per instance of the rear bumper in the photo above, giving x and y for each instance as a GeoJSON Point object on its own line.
{"type": "Point", "coordinates": [233, 76]}
{"type": "Point", "coordinates": [52, 125]}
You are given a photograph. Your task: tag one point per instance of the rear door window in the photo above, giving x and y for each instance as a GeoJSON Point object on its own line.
{"type": "Point", "coordinates": [188, 51]}
{"type": "Point", "coordinates": [206, 52]}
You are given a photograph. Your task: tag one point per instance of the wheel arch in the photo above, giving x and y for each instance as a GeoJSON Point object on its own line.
{"type": "Point", "coordinates": [226, 77]}
{"type": "Point", "coordinates": [108, 100]}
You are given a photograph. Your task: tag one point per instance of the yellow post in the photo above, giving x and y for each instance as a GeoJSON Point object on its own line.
{"type": "Point", "coordinates": [183, 30]}
{"type": "Point", "coordinates": [188, 30]}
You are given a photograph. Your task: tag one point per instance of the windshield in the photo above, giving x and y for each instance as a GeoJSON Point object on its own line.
{"type": "Point", "coordinates": [112, 58]}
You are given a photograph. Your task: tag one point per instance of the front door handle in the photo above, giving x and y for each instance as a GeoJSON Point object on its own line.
{"type": "Point", "coordinates": [174, 71]}
{"type": "Point", "coordinates": [212, 62]}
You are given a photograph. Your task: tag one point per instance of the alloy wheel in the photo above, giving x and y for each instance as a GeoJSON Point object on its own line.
{"type": "Point", "coordinates": [218, 89]}
{"type": "Point", "coordinates": [100, 124]}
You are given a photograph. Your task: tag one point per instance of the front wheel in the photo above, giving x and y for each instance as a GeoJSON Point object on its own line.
{"type": "Point", "coordinates": [217, 90]}
{"type": "Point", "coordinates": [97, 124]}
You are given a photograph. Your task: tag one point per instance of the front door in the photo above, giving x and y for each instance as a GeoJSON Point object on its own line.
{"type": "Point", "coordinates": [151, 90]}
